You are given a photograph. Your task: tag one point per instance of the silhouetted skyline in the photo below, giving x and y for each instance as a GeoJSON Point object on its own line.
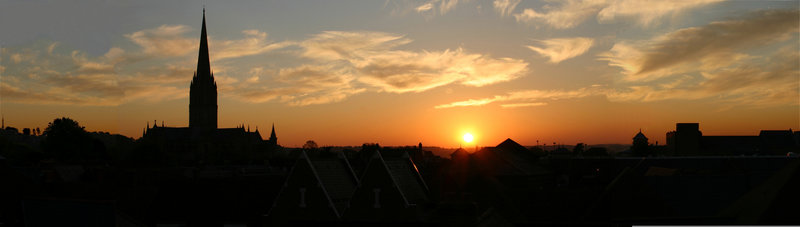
{"type": "Point", "coordinates": [399, 72]}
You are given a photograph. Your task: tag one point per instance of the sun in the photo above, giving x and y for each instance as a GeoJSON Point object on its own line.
{"type": "Point", "coordinates": [468, 137]}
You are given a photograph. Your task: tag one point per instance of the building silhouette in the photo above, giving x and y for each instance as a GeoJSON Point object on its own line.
{"type": "Point", "coordinates": [203, 141]}
{"type": "Point", "coordinates": [640, 144]}
{"type": "Point", "coordinates": [688, 140]}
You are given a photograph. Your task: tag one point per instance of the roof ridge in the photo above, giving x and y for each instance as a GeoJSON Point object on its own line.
{"type": "Point", "coordinates": [321, 184]}
{"type": "Point", "coordinates": [392, 177]}
{"type": "Point", "coordinates": [416, 172]}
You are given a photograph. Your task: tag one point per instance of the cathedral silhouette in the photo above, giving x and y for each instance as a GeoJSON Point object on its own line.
{"type": "Point", "coordinates": [203, 140]}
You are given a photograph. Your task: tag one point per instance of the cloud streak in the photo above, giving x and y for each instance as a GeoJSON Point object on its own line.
{"type": "Point", "coordinates": [698, 63]}
{"type": "Point", "coordinates": [166, 40]}
{"type": "Point", "coordinates": [374, 60]}
{"type": "Point", "coordinates": [505, 7]}
{"type": "Point", "coordinates": [561, 49]}
{"type": "Point", "coordinates": [764, 82]}
{"type": "Point", "coordinates": [712, 45]}
{"type": "Point", "coordinates": [570, 13]}
{"type": "Point", "coordinates": [345, 63]}
{"type": "Point", "coordinates": [159, 70]}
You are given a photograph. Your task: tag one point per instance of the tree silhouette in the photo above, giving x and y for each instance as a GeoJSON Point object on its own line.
{"type": "Point", "coordinates": [65, 139]}
{"type": "Point", "coordinates": [310, 145]}
{"type": "Point", "coordinates": [578, 149]}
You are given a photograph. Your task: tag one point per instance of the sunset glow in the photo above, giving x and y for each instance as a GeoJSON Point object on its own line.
{"type": "Point", "coordinates": [468, 138]}
{"type": "Point", "coordinates": [403, 72]}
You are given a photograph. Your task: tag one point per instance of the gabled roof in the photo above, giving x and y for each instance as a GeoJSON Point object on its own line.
{"type": "Point", "coordinates": [405, 177]}
{"type": "Point", "coordinates": [336, 178]}
{"type": "Point", "coordinates": [510, 158]}
{"type": "Point", "coordinates": [333, 175]}
{"type": "Point", "coordinates": [459, 153]}
{"type": "Point", "coordinates": [511, 145]}
{"type": "Point", "coordinates": [639, 135]}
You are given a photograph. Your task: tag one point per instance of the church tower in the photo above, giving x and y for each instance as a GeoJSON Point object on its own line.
{"type": "Point", "coordinates": [203, 91]}
{"type": "Point", "coordinates": [273, 140]}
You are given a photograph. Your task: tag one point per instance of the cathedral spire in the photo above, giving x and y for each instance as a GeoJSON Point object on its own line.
{"type": "Point", "coordinates": [273, 140]}
{"type": "Point", "coordinates": [203, 62]}
{"type": "Point", "coordinates": [203, 90]}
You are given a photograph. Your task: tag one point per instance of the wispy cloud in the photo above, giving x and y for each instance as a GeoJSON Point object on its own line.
{"type": "Point", "coordinates": [43, 72]}
{"type": "Point", "coordinates": [561, 49]}
{"type": "Point", "coordinates": [505, 7]}
{"type": "Point", "coordinates": [341, 45]}
{"type": "Point", "coordinates": [713, 45]}
{"type": "Point", "coordinates": [429, 8]}
{"type": "Point", "coordinates": [348, 63]}
{"type": "Point", "coordinates": [527, 96]}
{"type": "Point", "coordinates": [570, 13]}
{"type": "Point", "coordinates": [375, 61]}
{"type": "Point", "coordinates": [334, 65]}
{"type": "Point", "coordinates": [764, 81]}
{"type": "Point", "coordinates": [424, 7]}
{"type": "Point", "coordinates": [647, 13]}
{"type": "Point", "coordinates": [447, 5]}
{"type": "Point", "coordinates": [166, 40]}
{"type": "Point", "coordinates": [254, 42]}
{"type": "Point", "coordinates": [699, 63]}
{"type": "Point", "coordinates": [305, 85]}
{"type": "Point", "coordinates": [470, 102]}
{"type": "Point", "coordinates": [527, 104]}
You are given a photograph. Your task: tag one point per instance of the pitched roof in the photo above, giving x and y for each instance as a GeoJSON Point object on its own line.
{"type": "Point", "coordinates": [459, 153]}
{"type": "Point", "coordinates": [405, 176]}
{"type": "Point", "coordinates": [639, 135]}
{"type": "Point", "coordinates": [336, 179]}
{"type": "Point", "coordinates": [510, 158]}
{"type": "Point", "coordinates": [408, 180]}
{"type": "Point", "coordinates": [511, 145]}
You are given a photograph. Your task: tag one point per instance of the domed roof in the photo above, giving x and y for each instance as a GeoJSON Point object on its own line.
{"type": "Point", "coordinates": [639, 135]}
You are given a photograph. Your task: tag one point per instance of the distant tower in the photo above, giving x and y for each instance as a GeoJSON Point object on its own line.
{"type": "Point", "coordinates": [640, 139]}
{"type": "Point", "coordinates": [203, 91]}
{"type": "Point", "coordinates": [640, 144]}
{"type": "Point", "coordinates": [273, 140]}
{"type": "Point", "coordinates": [685, 140]}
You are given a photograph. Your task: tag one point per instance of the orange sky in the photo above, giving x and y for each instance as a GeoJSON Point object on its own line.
{"type": "Point", "coordinates": [401, 73]}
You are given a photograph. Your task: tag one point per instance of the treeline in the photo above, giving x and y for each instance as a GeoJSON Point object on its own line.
{"type": "Point", "coordinates": [64, 140]}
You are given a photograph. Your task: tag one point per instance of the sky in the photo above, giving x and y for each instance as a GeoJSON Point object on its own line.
{"type": "Point", "coordinates": [407, 72]}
